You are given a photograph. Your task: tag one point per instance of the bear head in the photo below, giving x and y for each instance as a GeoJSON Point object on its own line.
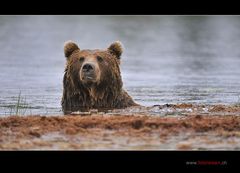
{"type": "Point", "coordinates": [94, 68]}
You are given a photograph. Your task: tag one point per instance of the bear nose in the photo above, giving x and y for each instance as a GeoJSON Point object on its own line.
{"type": "Point", "coordinates": [88, 67]}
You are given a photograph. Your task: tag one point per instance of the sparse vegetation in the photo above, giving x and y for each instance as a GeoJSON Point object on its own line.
{"type": "Point", "coordinates": [20, 107]}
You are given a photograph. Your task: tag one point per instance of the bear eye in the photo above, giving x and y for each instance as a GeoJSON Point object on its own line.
{"type": "Point", "coordinates": [81, 59]}
{"type": "Point", "coordinates": [99, 58]}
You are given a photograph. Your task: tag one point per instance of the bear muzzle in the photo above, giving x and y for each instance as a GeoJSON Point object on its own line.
{"type": "Point", "coordinates": [89, 73]}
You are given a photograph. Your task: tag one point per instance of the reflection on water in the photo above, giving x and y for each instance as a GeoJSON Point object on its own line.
{"type": "Point", "coordinates": [167, 59]}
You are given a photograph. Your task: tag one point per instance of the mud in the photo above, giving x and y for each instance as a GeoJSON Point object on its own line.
{"type": "Point", "coordinates": [195, 130]}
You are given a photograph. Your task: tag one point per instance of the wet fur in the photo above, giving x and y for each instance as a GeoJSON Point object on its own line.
{"type": "Point", "coordinates": [107, 94]}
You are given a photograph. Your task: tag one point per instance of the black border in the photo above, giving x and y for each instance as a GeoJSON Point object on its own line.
{"type": "Point", "coordinates": [123, 7]}
{"type": "Point", "coordinates": [113, 161]}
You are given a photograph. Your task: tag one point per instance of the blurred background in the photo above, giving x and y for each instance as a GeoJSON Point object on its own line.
{"type": "Point", "coordinates": [167, 59]}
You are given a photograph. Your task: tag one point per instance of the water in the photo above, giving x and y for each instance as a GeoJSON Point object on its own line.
{"type": "Point", "coordinates": [167, 59]}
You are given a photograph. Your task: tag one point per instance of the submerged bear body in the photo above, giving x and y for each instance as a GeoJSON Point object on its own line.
{"type": "Point", "coordinates": [92, 79]}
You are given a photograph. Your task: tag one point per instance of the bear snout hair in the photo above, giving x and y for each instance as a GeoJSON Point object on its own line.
{"type": "Point", "coordinates": [92, 79]}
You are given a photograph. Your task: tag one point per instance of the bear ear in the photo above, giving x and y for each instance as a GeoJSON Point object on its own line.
{"type": "Point", "coordinates": [69, 48]}
{"type": "Point", "coordinates": [116, 49]}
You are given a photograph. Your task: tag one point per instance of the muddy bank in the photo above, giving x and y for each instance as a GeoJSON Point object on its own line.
{"type": "Point", "coordinates": [194, 130]}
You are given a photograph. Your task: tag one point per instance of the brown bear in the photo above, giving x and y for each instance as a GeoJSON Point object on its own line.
{"type": "Point", "coordinates": [92, 79]}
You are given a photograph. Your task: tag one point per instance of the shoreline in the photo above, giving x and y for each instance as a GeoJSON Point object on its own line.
{"type": "Point", "coordinates": [218, 129]}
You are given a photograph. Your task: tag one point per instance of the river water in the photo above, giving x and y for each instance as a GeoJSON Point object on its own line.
{"type": "Point", "coordinates": [167, 59]}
